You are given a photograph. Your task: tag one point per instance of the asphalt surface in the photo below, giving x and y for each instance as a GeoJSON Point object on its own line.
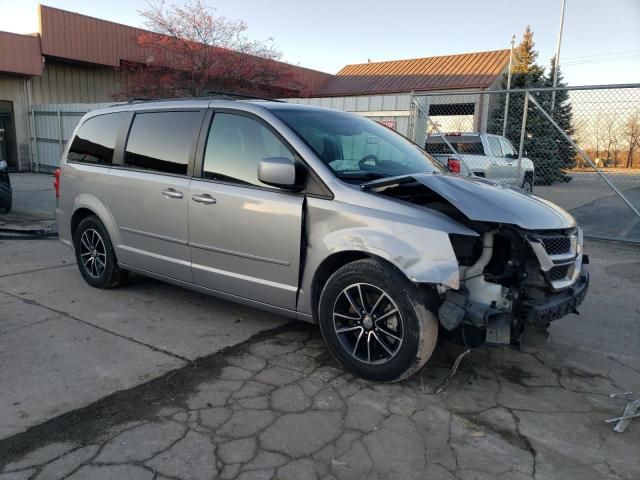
{"type": "Point", "coordinates": [586, 187]}
{"type": "Point", "coordinates": [34, 201]}
{"type": "Point", "coordinates": [611, 217]}
{"type": "Point", "coordinates": [152, 381]}
{"type": "Point", "coordinates": [595, 205]}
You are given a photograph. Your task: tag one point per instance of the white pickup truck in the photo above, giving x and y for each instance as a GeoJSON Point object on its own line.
{"type": "Point", "coordinates": [486, 155]}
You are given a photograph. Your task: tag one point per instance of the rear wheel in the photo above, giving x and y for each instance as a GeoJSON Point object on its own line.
{"type": "Point", "coordinates": [376, 322]}
{"type": "Point", "coordinates": [95, 255]}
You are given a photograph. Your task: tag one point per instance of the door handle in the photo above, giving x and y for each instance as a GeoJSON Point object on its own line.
{"type": "Point", "coordinates": [172, 193]}
{"type": "Point", "coordinates": [204, 198]}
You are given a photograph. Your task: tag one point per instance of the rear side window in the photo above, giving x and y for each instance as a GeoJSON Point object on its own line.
{"type": "Point", "coordinates": [235, 146]}
{"type": "Point", "coordinates": [162, 141]}
{"type": "Point", "coordinates": [96, 139]}
{"type": "Point", "coordinates": [468, 146]}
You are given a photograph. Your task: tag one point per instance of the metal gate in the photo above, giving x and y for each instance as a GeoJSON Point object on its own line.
{"type": "Point", "coordinates": [585, 154]}
{"type": "Point", "coordinates": [51, 128]}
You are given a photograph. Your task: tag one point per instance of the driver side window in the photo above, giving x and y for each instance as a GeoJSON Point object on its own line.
{"type": "Point", "coordinates": [508, 149]}
{"type": "Point", "coordinates": [235, 145]}
{"type": "Point", "coordinates": [494, 146]}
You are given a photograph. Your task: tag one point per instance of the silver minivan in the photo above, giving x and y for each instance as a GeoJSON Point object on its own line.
{"type": "Point", "coordinates": [319, 215]}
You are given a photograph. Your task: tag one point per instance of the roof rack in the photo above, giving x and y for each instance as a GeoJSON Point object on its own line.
{"type": "Point", "coordinates": [206, 94]}
{"type": "Point", "coordinates": [236, 96]}
{"type": "Point", "coordinates": [139, 99]}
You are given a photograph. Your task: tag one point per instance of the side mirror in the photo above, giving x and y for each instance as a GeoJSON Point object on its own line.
{"type": "Point", "coordinates": [279, 172]}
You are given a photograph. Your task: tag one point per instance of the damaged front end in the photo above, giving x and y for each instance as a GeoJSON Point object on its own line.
{"type": "Point", "coordinates": [524, 269]}
{"type": "Point", "coordinates": [513, 281]}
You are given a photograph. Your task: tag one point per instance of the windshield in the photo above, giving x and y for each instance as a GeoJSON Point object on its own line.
{"type": "Point", "coordinates": [356, 148]}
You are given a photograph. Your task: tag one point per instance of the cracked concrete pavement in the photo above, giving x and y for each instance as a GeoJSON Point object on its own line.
{"type": "Point", "coordinates": [70, 345]}
{"type": "Point", "coordinates": [278, 406]}
{"type": "Point", "coordinates": [154, 382]}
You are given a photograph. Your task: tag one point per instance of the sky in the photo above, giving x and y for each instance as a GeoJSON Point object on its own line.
{"type": "Point", "coordinates": [600, 45]}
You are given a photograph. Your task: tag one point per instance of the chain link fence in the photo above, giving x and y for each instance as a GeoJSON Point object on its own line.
{"type": "Point", "coordinates": [580, 150]}
{"type": "Point", "coordinates": [583, 154]}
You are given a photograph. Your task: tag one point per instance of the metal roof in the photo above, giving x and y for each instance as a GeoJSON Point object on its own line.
{"type": "Point", "coordinates": [467, 70]}
{"type": "Point", "coordinates": [20, 54]}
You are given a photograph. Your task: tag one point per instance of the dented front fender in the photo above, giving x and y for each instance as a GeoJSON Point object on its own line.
{"type": "Point", "coordinates": [415, 240]}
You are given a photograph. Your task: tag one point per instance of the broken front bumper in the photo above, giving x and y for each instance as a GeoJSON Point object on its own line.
{"type": "Point", "coordinates": [556, 305]}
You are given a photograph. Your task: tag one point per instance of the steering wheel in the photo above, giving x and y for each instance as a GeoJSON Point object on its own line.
{"type": "Point", "coordinates": [365, 159]}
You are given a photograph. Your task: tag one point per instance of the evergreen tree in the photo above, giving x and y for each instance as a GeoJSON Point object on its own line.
{"type": "Point", "coordinates": [525, 73]}
{"type": "Point", "coordinates": [543, 143]}
{"type": "Point", "coordinates": [563, 116]}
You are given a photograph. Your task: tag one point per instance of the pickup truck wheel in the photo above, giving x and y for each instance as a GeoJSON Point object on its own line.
{"type": "Point", "coordinates": [376, 322]}
{"type": "Point", "coordinates": [527, 183]}
{"type": "Point", "coordinates": [95, 255]}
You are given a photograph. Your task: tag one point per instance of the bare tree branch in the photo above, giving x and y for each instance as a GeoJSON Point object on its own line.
{"type": "Point", "coordinates": [189, 49]}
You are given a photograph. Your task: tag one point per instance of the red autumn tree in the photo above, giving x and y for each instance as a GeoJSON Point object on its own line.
{"type": "Point", "coordinates": [189, 50]}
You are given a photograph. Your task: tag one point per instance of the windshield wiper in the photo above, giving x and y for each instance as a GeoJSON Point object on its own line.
{"type": "Point", "coordinates": [389, 180]}
{"type": "Point", "coordinates": [364, 175]}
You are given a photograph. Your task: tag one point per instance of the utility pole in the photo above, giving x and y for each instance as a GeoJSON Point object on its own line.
{"type": "Point", "coordinates": [506, 101]}
{"type": "Point", "coordinates": [556, 62]}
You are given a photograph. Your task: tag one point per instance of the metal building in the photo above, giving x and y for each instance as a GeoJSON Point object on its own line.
{"type": "Point", "coordinates": [383, 91]}
{"type": "Point", "coordinates": [73, 64]}
{"type": "Point", "coordinates": [73, 59]}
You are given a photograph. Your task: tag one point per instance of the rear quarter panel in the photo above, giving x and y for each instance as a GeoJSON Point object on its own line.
{"type": "Point", "coordinates": [83, 186]}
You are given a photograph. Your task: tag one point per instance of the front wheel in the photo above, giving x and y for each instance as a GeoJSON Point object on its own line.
{"type": "Point", "coordinates": [95, 255]}
{"type": "Point", "coordinates": [376, 322]}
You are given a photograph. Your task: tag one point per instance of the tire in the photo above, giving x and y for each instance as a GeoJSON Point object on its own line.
{"type": "Point", "coordinates": [5, 198]}
{"type": "Point", "coordinates": [408, 336]}
{"type": "Point", "coordinates": [95, 256]}
{"type": "Point", "coordinates": [527, 182]}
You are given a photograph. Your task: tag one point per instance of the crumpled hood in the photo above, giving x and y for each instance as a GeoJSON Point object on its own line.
{"type": "Point", "coordinates": [485, 201]}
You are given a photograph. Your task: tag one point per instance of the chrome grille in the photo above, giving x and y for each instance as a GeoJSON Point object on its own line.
{"type": "Point", "coordinates": [559, 273]}
{"type": "Point", "coordinates": [557, 245]}
{"type": "Point", "coordinates": [559, 255]}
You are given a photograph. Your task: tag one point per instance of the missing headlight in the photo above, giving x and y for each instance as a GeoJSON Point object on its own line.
{"type": "Point", "coordinates": [466, 248]}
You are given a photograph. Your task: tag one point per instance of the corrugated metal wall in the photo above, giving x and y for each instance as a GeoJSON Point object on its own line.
{"type": "Point", "coordinates": [67, 83]}
{"type": "Point", "coordinates": [87, 39]}
{"type": "Point", "coordinates": [377, 107]}
{"type": "Point", "coordinates": [90, 40]}
{"type": "Point", "coordinates": [79, 88]}
{"type": "Point", "coordinates": [396, 107]}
